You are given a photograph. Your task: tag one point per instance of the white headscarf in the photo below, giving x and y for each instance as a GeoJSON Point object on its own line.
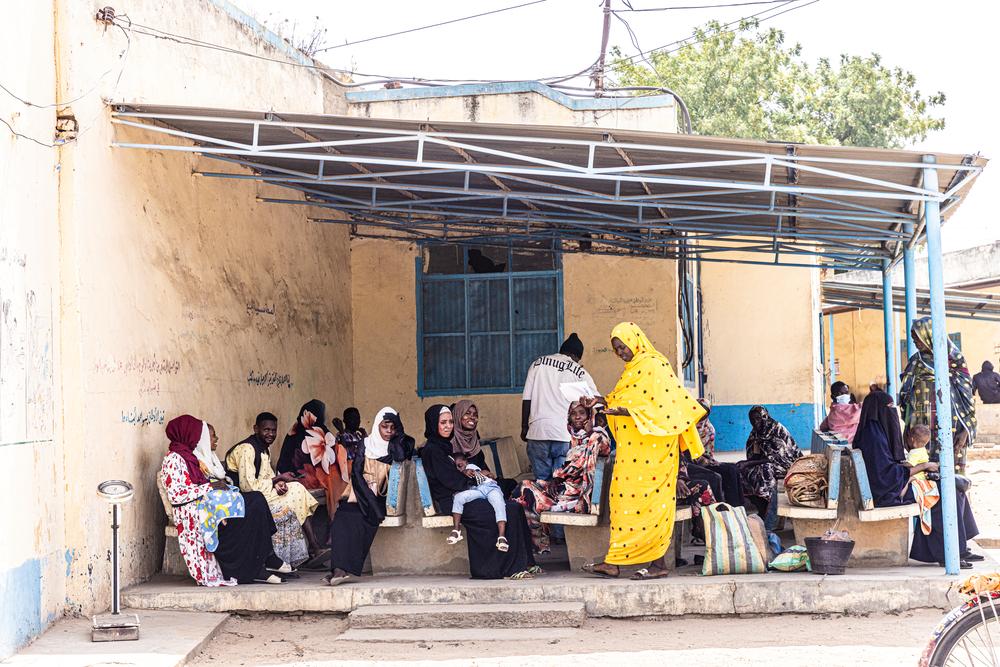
{"type": "Point", "coordinates": [375, 446]}
{"type": "Point", "coordinates": [205, 454]}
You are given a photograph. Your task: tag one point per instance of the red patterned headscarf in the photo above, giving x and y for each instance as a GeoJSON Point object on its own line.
{"type": "Point", "coordinates": [184, 433]}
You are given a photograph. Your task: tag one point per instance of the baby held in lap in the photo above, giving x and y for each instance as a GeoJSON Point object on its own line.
{"type": "Point", "coordinates": [486, 488]}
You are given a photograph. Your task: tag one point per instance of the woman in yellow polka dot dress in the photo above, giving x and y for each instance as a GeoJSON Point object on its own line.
{"type": "Point", "coordinates": [654, 418]}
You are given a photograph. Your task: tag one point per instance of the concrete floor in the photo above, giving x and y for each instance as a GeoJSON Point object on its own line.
{"type": "Point", "coordinates": [166, 639]}
{"type": "Point", "coordinates": [858, 592]}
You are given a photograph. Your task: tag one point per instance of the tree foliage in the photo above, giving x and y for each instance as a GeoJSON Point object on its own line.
{"type": "Point", "coordinates": [748, 83]}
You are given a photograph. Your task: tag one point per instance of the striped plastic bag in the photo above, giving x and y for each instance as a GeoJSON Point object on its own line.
{"type": "Point", "coordinates": [729, 543]}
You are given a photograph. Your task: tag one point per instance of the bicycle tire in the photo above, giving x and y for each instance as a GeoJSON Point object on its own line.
{"type": "Point", "coordinates": [955, 627]}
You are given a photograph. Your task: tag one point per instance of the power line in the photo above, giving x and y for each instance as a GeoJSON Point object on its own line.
{"type": "Point", "coordinates": [685, 41]}
{"type": "Point", "coordinates": [717, 6]}
{"type": "Point", "coordinates": [431, 25]}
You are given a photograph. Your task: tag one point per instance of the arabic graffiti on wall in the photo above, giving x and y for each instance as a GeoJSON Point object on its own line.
{"type": "Point", "coordinates": [269, 379]}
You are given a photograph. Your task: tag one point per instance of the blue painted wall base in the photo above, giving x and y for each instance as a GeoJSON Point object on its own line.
{"type": "Point", "coordinates": [732, 423]}
{"type": "Point", "coordinates": [20, 606]}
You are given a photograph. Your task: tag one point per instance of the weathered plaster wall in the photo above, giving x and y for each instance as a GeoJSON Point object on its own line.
{"type": "Point", "coordinates": [758, 324]}
{"type": "Point", "coordinates": [179, 294]}
{"type": "Point", "coordinates": [860, 348]}
{"type": "Point", "coordinates": [598, 292]}
{"type": "Point", "coordinates": [523, 107]}
{"type": "Point", "coordinates": [32, 560]}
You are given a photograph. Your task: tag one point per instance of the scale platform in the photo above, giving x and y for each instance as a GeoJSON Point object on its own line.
{"type": "Point", "coordinates": [115, 628]}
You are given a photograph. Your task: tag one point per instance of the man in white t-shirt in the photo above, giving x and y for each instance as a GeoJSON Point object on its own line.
{"type": "Point", "coordinates": [544, 407]}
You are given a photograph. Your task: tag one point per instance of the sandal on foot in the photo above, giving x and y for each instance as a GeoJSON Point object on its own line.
{"type": "Point", "coordinates": [645, 573]}
{"type": "Point", "coordinates": [455, 537]}
{"type": "Point", "coordinates": [591, 568]}
{"type": "Point", "coordinates": [336, 581]}
{"type": "Point", "coordinates": [535, 569]}
{"type": "Point", "coordinates": [502, 544]}
{"type": "Point", "coordinates": [523, 574]}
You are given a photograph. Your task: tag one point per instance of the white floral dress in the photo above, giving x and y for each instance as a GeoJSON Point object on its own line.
{"type": "Point", "coordinates": [180, 491]}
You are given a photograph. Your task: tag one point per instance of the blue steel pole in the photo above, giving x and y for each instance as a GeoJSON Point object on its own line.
{"type": "Point", "coordinates": [942, 383]}
{"type": "Point", "coordinates": [910, 282]}
{"type": "Point", "coordinates": [889, 329]}
{"type": "Point", "coordinates": [833, 356]}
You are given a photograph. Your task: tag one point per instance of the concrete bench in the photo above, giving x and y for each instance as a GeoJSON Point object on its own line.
{"type": "Point", "coordinates": [510, 458]}
{"type": "Point", "coordinates": [588, 535]}
{"type": "Point", "coordinates": [173, 562]}
{"type": "Point", "coordinates": [881, 534]}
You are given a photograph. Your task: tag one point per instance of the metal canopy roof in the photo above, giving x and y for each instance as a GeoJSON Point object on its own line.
{"type": "Point", "coordinates": [573, 189]}
{"type": "Point", "coordinates": [841, 297]}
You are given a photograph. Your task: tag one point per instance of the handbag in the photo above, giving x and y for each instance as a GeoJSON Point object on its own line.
{"type": "Point", "coordinates": [729, 543]}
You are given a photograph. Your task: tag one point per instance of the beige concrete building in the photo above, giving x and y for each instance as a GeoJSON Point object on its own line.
{"type": "Point", "coordinates": [134, 291]}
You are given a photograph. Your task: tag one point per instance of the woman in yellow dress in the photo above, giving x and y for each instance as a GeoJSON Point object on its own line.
{"type": "Point", "coordinates": [654, 418]}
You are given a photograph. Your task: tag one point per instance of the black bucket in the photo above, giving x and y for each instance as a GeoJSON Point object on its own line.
{"type": "Point", "coordinates": [828, 556]}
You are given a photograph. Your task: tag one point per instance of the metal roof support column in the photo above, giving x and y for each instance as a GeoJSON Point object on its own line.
{"type": "Point", "coordinates": [889, 328]}
{"type": "Point", "coordinates": [833, 356]}
{"type": "Point", "coordinates": [942, 383]}
{"type": "Point", "coordinates": [910, 282]}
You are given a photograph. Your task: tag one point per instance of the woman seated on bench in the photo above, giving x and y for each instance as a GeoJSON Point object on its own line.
{"type": "Point", "coordinates": [465, 440]}
{"type": "Point", "coordinates": [224, 536]}
{"type": "Point", "coordinates": [478, 517]}
{"type": "Point", "coordinates": [571, 485]}
{"type": "Point", "coordinates": [771, 449]}
{"type": "Point", "coordinates": [878, 435]}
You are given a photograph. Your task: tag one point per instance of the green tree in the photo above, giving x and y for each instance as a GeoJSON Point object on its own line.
{"type": "Point", "coordinates": [748, 83]}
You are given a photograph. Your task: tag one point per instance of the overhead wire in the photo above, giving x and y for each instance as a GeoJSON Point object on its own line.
{"type": "Point", "coordinates": [687, 40]}
{"type": "Point", "coordinates": [122, 57]}
{"type": "Point", "coordinates": [431, 25]}
{"type": "Point", "coordinates": [712, 6]}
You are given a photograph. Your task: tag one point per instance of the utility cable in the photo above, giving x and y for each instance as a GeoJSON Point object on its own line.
{"type": "Point", "coordinates": [684, 7]}
{"type": "Point", "coordinates": [431, 25]}
{"type": "Point", "coordinates": [686, 41]}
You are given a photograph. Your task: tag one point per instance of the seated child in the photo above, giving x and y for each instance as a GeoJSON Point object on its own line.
{"type": "Point", "coordinates": [925, 492]}
{"type": "Point", "coordinates": [917, 438]}
{"type": "Point", "coordinates": [486, 488]}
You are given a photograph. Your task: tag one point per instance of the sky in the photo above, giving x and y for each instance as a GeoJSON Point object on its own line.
{"type": "Point", "coordinates": [951, 47]}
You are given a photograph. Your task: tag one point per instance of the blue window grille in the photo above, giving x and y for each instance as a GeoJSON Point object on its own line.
{"type": "Point", "coordinates": [477, 332]}
{"type": "Point", "coordinates": [956, 339]}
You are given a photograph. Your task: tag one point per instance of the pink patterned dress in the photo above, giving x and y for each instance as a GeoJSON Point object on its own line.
{"type": "Point", "coordinates": [180, 491]}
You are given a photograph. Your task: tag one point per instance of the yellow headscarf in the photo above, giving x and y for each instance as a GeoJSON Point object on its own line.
{"type": "Point", "coordinates": [648, 388]}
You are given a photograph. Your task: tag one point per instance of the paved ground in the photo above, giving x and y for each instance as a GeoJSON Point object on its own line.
{"type": "Point", "coordinates": [985, 498]}
{"type": "Point", "coordinates": [166, 639]}
{"type": "Point", "coordinates": [778, 640]}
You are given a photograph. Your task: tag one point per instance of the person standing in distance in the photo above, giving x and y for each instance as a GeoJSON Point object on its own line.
{"type": "Point", "coordinates": [544, 406]}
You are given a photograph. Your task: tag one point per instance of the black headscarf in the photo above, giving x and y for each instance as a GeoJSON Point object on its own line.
{"type": "Point", "coordinates": [878, 407]}
{"type": "Point", "coordinates": [293, 441]}
{"type": "Point", "coordinates": [443, 477]}
{"type": "Point", "coordinates": [402, 446]}
{"type": "Point", "coordinates": [431, 418]}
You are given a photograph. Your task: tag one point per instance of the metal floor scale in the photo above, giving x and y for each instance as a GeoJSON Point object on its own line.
{"type": "Point", "coordinates": [115, 626]}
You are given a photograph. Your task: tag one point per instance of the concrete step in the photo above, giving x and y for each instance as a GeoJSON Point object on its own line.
{"type": "Point", "coordinates": [456, 635]}
{"type": "Point", "coordinates": [501, 615]}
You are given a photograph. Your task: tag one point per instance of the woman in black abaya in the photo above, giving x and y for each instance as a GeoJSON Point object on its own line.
{"type": "Point", "coordinates": [478, 517]}
{"type": "Point", "coordinates": [878, 436]}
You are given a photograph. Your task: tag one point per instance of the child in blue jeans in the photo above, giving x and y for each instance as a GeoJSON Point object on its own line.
{"type": "Point", "coordinates": [486, 488]}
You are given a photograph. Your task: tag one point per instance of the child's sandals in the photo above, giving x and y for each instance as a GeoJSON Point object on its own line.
{"type": "Point", "coordinates": [456, 537]}
{"type": "Point", "coordinates": [502, 544]}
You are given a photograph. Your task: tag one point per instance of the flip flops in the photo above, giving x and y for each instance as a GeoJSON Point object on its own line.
{"type": "Point", "coordinates": [591, 568]}
{"type": "Point", "coordinates": [644, 573]}
{"type": "Point", "coordinates": [456, 537]}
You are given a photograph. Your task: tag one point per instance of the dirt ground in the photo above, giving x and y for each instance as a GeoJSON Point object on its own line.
{"type": "Point", "coordinates": [985, 496]}
{"type": "Point", "coordinates": [789, 639]}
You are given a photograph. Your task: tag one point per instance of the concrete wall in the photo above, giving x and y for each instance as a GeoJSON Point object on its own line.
{"type": "Point", "coordinates": [759, 333]}
{"type": "Point", "coordinates": [859, 346]}
{"type": "Point", "coordinates": [175, 294]}
{"type": "Point", "coordinates": [598, 293]}
{"type": "Point", "coordinates": [32, 561]}
{"type": "Point", "coordinates": [517, 102]}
